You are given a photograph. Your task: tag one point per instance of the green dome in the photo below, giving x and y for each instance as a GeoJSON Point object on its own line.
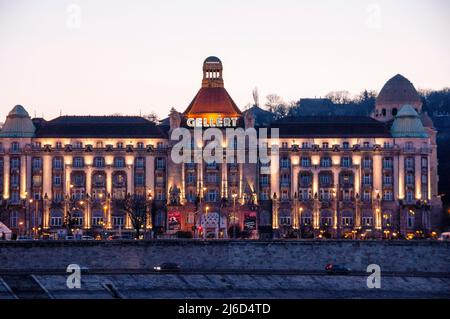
{"type": "Point", "coordinates": [407, 123]}
{"type": "Point", "coordinates": [18, 124]}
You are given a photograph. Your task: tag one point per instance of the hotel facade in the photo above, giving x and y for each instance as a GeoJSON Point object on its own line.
{"type": "Point", "coordinates": [334, 176]}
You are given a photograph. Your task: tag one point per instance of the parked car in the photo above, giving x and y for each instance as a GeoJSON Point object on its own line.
{"type": "Point", "coordinates": [87, 238]}
{"type": "Point", "coordinates": [337, 269]}
{"type": "Point", "coordinates": [444, 236]}
{"type": "Point", "coordinates": [167, 267]}
{"type": "Point", "coordinates": [69, 238]}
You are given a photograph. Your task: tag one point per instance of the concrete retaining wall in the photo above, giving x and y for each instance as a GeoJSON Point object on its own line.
{"type": "Point", "coordinates": [281, 255]}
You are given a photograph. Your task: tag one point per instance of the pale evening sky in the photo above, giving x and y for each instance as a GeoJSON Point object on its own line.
{"type": "Point", "coordinates": [103, 57]}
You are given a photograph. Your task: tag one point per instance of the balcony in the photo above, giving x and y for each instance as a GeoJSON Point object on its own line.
{"type": "Point", "coordinates": [409, 150]}
{"type": "Point", "coordinates": [285, 183]}
{"type": "Point", "coordinates": [190, 166]}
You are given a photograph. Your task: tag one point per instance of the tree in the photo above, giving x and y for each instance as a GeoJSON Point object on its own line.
{"type": "Point", "coordinates": [4, 210]}
{"type": "Point", "coordinates": [70, 220]}
{"type": "Point", "coordinates": [152, 117]}
{"type": "Point", "coordinates": [136, 208]}
{"type": "Point", "coordinates": [273, 101]}
{"type": "Point", "coordinates": [339, 97]}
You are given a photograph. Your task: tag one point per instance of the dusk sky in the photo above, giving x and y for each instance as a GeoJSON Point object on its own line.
{"type": "Point", "coordinates": [104, 57]}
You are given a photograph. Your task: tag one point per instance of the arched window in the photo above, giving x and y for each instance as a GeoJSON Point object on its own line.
{"type": "Point", "coordinates": [394, 111]}
{"type": "Point", "coordinates": [383, 112]}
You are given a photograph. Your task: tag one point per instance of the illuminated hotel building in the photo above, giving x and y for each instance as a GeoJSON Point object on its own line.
{"type": "Point", "coordinates": [335, 176]}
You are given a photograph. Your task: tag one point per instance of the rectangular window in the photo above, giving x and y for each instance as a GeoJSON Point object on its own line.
{"type": "Point", "coordinates": [37, 163]}
{"type": "Point", "coordinates": [119, 162]}
{"type": "Point", "coordinates": [37, 180]}
{"type": "Point", "coordinates": [97, 221]}
{"type": "Point", "coordinates": [346, 162]}
{"type": "Point", "coordinates": [367, 163]}
{"type": "Point", "coordinates": [15, 147]}
{"type": "Point", "coordinates": [264, 180]}
{"type": "Point", "coordinates": [367, 179]}
{"type": "Point", "coordinates": [305, 194]}
{"type": "Point", "coordinates": [212, 196]}
{"type": "Point", "coordinates": [78, 162]}
{"type": "Point", "coordinates": [55, 221]}
{"type": "Point", "coordinates": [387, 195]}
{"type": "Point", "coordinates": [409, 179]}
{"type": "Point", "coordinates": [424, 179]}
{"type": "Point", "coordinates": [387, 179]}
{"type": "Point", "coordinates": [57, 180]}
{"type": "Point", "coordinates": [325, 162]}
{"type": "Point", "coordinates": [367, 221]}
{"type": "Point", "coordinates": [140, 163]}
{"type": "Point", "coordinates": [15, 163]}
{"type": "Point", "coordinates": [264, 195]}
{"type": "Point", "coordinates": [409, 163]}
{"type": "Point", "coordinates": [424, 162]}
{"type": "Point", "coordinates": [306, 162]}
{"type": "Point", "coordinates": [387, 163]}
{"type": "Point", "coordinates": [14, 219]}
{"type": "Point", "coordinates": [99, 162]}
{"type": "Point", "coordinates": [191, 178]}
{"type": "Point", "coordinates": [366, 196]}
{"type": "Point", "coordinates": [160, 163]}
{"type": "Point", "coordinates": [306, 221]}
{"type": "Point", "coordinates": [409, 196]}
{"type": "Point", "coordinates": [14, 180]}
{"type": "Point", "coordinates": [347, 221]}
{"type": "Point", "coordinates": [140, 180]}
{"type": "Point", "coordinates": [285, 220]}
{"type": "Point", "coordinates": [326, 221]}
{"type": "Point", "coordinates": [160, 195]}
{"type": "Point", "coordinates": [285, 162]}
{"type": "Point", "coordinates": [117, 221]}
{"type": "Point", "coordinates": [410, 221]}
{"type": "Point", "coordinates": [345, 145]}
{"type": "Point", "coordinates": [57, 163]}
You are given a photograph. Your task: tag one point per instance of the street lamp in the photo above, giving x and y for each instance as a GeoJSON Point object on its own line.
{"type": "Point", "coordinates": [300, 210]}
{"type": "Point", "coordinates": [338, 224]}
{"type": "Point", "coordinates": [234, 214]}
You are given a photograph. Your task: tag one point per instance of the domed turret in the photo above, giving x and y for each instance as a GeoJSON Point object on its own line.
{"type": "Point", "coordinates": [212, 100]}
{"type": "Point", "coordinates": [396, 93]}
{"type": "Point", "coordinates": [407, 123]}
{"type": "Point", "coordinates": [18, 124]}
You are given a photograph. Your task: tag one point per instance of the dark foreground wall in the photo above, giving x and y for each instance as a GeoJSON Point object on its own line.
{"type": "Point", "coordinates": [281, 255]}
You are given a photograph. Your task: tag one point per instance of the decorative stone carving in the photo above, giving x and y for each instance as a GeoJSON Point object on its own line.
{"type": "Point", "coordinates": [174, 193]}
{"type": "Point", "coordinates": [249, 119]}
{"type": "Point", "coordinates": [175, 119]}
